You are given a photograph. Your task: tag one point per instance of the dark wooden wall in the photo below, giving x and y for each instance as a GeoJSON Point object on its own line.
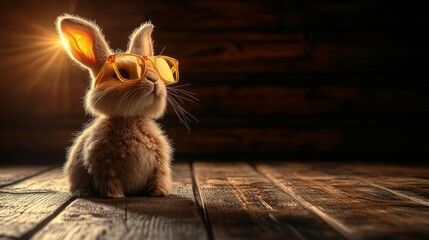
{"type": "Point", "coordinates": [275, 79]}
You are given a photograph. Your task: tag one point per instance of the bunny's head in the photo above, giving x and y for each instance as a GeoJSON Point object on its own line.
{"type": "Point", "coordinates": [110, 93]}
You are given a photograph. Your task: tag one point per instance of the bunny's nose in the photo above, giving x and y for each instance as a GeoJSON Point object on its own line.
{"type": "Point", "coordinates": [151, 76]}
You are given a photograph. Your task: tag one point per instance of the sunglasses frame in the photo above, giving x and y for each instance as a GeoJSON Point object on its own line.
{"type": "Point", "coordinates": [111, 60]}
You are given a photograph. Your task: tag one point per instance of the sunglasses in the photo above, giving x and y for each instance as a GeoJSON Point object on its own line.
{"type": "Point", "coordinates": [132, 67]}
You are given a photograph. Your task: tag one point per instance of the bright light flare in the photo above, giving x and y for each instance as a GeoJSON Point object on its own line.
{"type": "Point", "coordinates": [35, 61]}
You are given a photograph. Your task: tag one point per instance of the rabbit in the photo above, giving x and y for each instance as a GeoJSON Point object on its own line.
{"type": "Point", "coordinates": [123, 150]}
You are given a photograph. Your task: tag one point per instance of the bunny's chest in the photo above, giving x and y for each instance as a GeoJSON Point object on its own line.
{"type": "Point", "coordinates": [127, 142]}
{"type": "Point", "coordinates": [132, 155]}
{"type": "Point", "coordinates": [135, 143]}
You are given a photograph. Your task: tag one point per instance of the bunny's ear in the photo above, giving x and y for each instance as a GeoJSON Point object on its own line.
{"type": "Point", "coordinates": [141, 40]}
{"type": "Point", "coordinates": [83, 41]}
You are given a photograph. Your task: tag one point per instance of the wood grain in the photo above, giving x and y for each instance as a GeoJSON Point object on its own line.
{"type": "Point", "coordinates": [230, 200]}
{"type": "Point", "coordinates": [173, 217]}
{"type": "Point", "coordinates": [258, 135]}
{"type": "Point", "coordinates": [241, 204]}
{"type": "Point", "coordinates": [208, 58]}
{"type": "Point", "coordinates": [303, 100]}
{"type": "Point", "coordinates": [410, 182]}
{"type": "Point", "coordinates": [12, 174]}
{"type": "Point", "coordinates": [354, 208]}
{"type": "Point", "coordinates": [28, 205]}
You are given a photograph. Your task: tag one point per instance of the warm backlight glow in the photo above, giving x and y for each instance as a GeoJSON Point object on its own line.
{"type": "Point", "coordinates": [79, 43]}
{"type": "Point", "coordinates": [35, 62]}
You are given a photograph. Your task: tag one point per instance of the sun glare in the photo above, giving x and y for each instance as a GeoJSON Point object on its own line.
{"type": "Point", "coordinates": [39, 56]}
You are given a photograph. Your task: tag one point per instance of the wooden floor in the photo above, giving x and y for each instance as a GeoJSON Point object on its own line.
{"type": "Point", "coordinates": [227, 201]}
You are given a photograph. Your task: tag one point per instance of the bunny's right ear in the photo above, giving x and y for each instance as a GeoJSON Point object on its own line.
{"type": "Point", "coordinates": [83, 41]}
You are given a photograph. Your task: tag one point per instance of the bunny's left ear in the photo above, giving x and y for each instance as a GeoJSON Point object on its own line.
{"type": "Point", "coordinates": [83, 41]}
{"type": "Point", "coordinates": [141, 40]}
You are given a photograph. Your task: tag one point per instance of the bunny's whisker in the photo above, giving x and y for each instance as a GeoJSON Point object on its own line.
{"type": "Point", "coordinates": [189, 94]}
{"type": "Point", "coordinates": [184, 116]}
{"type": "Point", "coordinates": [181, 98]}
{"type": "Point", "coordinates": [173, 95]}
{"type": "Point", "coordinates": [100, 96]}
{"type": "Point", "coordinates": [179, 86]}
{"type": "Point", "coordinates": [181, 90]}
{"type": "Point", "coordinates": [134, 94]}
{"type": "Point", "coordinates": [134, 97]}
{"type": "Point", "coordinates": [175, 110]}
{"type": "Point", "coordinates": [178, 110]}
{"type": "Point", "coordinates": [124, 97]}
{"type": "Point", "coordinates": [184, 112]}
{"type": "Point", "coordinates": [162, 51]}
{"type": "Point", "coordinates": [176, 95]}
{"type": "Point", "coordinates": [177, 113]}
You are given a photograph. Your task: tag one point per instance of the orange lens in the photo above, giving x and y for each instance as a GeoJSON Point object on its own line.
{"type": "Point", "coordinates": [167, 69]}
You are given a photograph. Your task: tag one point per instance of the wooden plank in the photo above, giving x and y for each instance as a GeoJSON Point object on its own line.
{"type": "Point", "coordinates": [239, 139]}
{"type": "Point", "coordinates": [241, 204]}
{"type": "Point", "coordinates": [363, 15]}
{"type": "Point", "coordinates": [49, 181]}
{"type": "Point", "coordinates": [354, 208]}
{"type": "Point", "coordinates": [381, 170]}
{"type": "Point", "coordinates": [208, 58]}
{"type": "Point", "coordinates": [43, 139]}
{"type": "Point", "coordinates": [267, 140]}
{"type": "Point", "coordinates": [28, 205]}
{"type": "Point", "coordinates": [289, 52]}
{"type": "Point", "coordinates": [410, 182]}
{"type": "Point", "coordinates": [264, 137]}
{"type": "Point", "coordinates": [238, 99]}
{"type": "Point", "coordinates": [172, 217]}
{"type": "Point", "coordinates": [268, 15]}
{"type": "Point", "coordinates": [12, 174]}
{"type": "Point", "coordinates": [205, 140]}
{"type": "Point", "coordinates": [205, 15]}
{"type": "Point", "coordinates": [323, 99]}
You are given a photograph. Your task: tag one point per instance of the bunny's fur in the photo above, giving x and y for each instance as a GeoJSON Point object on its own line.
{"type": "Point", "coordinates": [122, 151]}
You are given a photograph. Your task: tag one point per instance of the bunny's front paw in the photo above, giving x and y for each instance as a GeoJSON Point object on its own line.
{"type": "Point", "coordinates": [112, 189]}
{"type": "Point", "coordinates": [80, 193]}
{"type": "Point", "coordinates": [159, 192]}
{"type": "Point", "coordinates": [115, 195]}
